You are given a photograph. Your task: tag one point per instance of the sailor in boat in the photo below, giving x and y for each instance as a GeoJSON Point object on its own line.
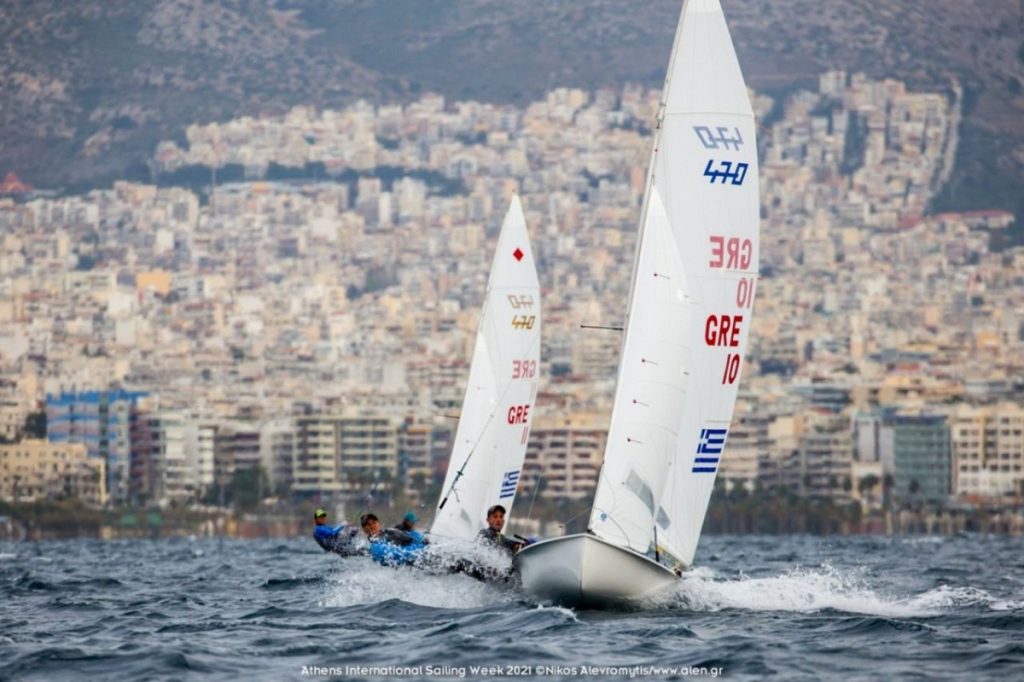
{"type": "Point", "coordinates": [339, 539]}
{"type": "Point", "coordinates": [492, 535]}
{"type": "Point", "coordinates": [390, 546]}
{"type": "Point", "coordinates": [408, 525]}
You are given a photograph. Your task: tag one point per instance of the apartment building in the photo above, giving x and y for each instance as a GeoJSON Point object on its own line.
{"type": "Point", "coordinates": [33, 470]}
{"type": "Point", "coordinates": [564, 457]}
{"type": "Point", "coordinates": [340, 454]}
{"type": "Point", "coordinates": [988, 451]}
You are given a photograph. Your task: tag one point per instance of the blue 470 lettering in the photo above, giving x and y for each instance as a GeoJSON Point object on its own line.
{"type": "Point", "coordinates": [726, 171]}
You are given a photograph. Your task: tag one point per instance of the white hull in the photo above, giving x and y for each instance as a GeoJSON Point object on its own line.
{"type": "Point", "coordinates": [583, 570]}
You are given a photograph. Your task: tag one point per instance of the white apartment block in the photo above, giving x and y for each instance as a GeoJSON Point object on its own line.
{"type": "Point", "coordinates": [988, 451]}
{"type": "Point", "coordinates": [344, 453]}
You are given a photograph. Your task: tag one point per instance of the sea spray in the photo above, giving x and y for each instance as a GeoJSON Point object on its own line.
{"type": "Point", "coordinates": [809, 590]}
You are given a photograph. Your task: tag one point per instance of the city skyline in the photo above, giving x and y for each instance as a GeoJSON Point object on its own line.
{"type": "Point", "coordinates": [257, 299]}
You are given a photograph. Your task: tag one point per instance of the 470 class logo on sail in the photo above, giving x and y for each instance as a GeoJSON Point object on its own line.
{"type": "Point", "coordinates": [720, 137]}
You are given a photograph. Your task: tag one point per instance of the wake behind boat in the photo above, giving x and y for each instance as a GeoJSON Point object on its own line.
{"type": "Point", "coordinates": [686, 331]}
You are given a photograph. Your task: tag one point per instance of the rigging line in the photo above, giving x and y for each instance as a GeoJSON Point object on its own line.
{"type": "Point", "coordinates": [573, 518]}
{"type": "Point", "coordinates": [483, 430]}
{"type": "Point", "coordinates": [536, 489]}
{"type": "Point", "coordinates": [369, 495]}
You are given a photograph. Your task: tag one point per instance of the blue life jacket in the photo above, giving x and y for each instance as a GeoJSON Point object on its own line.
{"type": "Point", "coordinates": [396, 548]}
{"type": "Point", "coordinates": [330, 538]}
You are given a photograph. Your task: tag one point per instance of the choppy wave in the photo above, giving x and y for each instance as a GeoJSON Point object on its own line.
{"type": "Point", "coordinates": [802, 607]}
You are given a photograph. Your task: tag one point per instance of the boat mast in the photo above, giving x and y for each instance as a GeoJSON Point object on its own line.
{"type": "Point", "coordinates": [658, 118]}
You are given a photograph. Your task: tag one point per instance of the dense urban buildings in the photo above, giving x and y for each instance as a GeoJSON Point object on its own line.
{"type": "Point", "coordinates": [33, 470]}
{"type": "Point", "coordinates": [298, 295]}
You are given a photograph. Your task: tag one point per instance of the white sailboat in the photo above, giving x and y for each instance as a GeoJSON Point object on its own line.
{"type": "Point", "coordinates": [490, 442]}
{"type": "Point", "coordinates": [685, 335]}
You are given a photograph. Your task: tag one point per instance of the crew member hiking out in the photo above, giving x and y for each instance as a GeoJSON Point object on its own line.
{"type": "Point", "coordinates": [408, 525]}
{"type": "Point", "coordinates": [390, 546]}
{"type": "Point", "coordinates": [338, 539]}
{"type": "Point", "coordinates": [492, 533]}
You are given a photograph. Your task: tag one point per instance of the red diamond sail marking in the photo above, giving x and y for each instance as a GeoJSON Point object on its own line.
{"type": "Point", "coordinates": [518, 254]}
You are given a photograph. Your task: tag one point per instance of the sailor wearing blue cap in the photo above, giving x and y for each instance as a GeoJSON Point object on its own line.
{"type": "Point", "coordinates": [408, 525]}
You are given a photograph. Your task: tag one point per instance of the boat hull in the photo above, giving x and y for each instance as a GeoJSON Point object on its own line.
{"type": "Point", "coordinates": [585, 571]}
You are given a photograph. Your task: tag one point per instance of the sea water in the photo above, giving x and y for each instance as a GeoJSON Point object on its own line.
{"type": "Point", "coordinates": [790, 607]}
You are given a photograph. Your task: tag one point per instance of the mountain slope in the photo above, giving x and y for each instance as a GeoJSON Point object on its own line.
{"type": "Point", "coordinates": [87, 88]}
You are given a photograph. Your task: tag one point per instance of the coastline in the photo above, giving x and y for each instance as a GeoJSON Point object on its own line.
{"type": "Point", "coordinates": [67, 520]}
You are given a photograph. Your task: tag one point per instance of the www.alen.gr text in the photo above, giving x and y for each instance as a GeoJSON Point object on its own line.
{"type": "Point", "coordinates": [471, 671]}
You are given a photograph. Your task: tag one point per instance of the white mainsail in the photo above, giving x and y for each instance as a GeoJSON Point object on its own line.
{"type": "Point", "coordinates": [490, 442]}
{"type": "Point", "coordinates": [686, 329]}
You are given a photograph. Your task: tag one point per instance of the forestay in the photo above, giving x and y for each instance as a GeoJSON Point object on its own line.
{"type": "Point", "coordinates": [490, 443]}
{"type": "Point", "coordinates": [667, 439]}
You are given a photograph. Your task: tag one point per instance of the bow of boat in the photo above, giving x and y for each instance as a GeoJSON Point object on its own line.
{"type": "Point", "coordinates": [586, 571]}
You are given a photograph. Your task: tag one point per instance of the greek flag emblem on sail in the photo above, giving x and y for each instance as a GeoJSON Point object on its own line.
{"type": "Point", "coordinates": [509, 483]}
{"type": "Point", "coordinates": [711, 442]}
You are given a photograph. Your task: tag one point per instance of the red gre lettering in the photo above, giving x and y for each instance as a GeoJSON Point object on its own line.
{"type": "Point", "coordinates": [723, 330]}
{"type": "Point", "coordinates": [731, 253]}
{"type": "Point", "coordinates": [518, 414]}
{"type": "Point", "coordinates": [524, 369]}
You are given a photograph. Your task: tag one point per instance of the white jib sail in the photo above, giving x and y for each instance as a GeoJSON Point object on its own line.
{"type": "Point", "coordinates": [490, 443]}
{"type": "Point", "coordinates": [651, 389]}
{"type": "Point", "coordinates": [705, 173]}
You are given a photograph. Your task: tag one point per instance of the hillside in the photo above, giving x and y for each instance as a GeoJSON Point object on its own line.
{"type": "Point", "coordinates": [87, 88]}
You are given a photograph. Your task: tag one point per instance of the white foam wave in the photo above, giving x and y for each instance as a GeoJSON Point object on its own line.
{"type": "Point", "coordinates": [361, 581]}
{"type": "Point", "coordinates": [925, 540]}
{"type": "Point", "coordinates": [810, 590]}
{"type": "Point", "coordinates": [559, 609]}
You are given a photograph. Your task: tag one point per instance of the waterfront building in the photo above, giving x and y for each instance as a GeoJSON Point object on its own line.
{"type": "Point", "coordinates": [424, 447]}
{"type": "Point", "coordinates": [102, 421]}
{"type": "Point", "coordinates": [826, 453]}
{"type": "Point", "coordinates": [563, 457]}
{"type": "Point", "coordinates": [35, 469]}
{"type": "Point", "coordinates": [749, 445]}
{"type": "Point", "coordinates": [988, 451]}
{"type": "Point", "coordinates": [345, 454]}
{"type": "Point", "coordinates": [236, 447]}
{"type": "Point", "coordinates": [920, 458]}
{"type": "Point", "coordinates": [162, 446]}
